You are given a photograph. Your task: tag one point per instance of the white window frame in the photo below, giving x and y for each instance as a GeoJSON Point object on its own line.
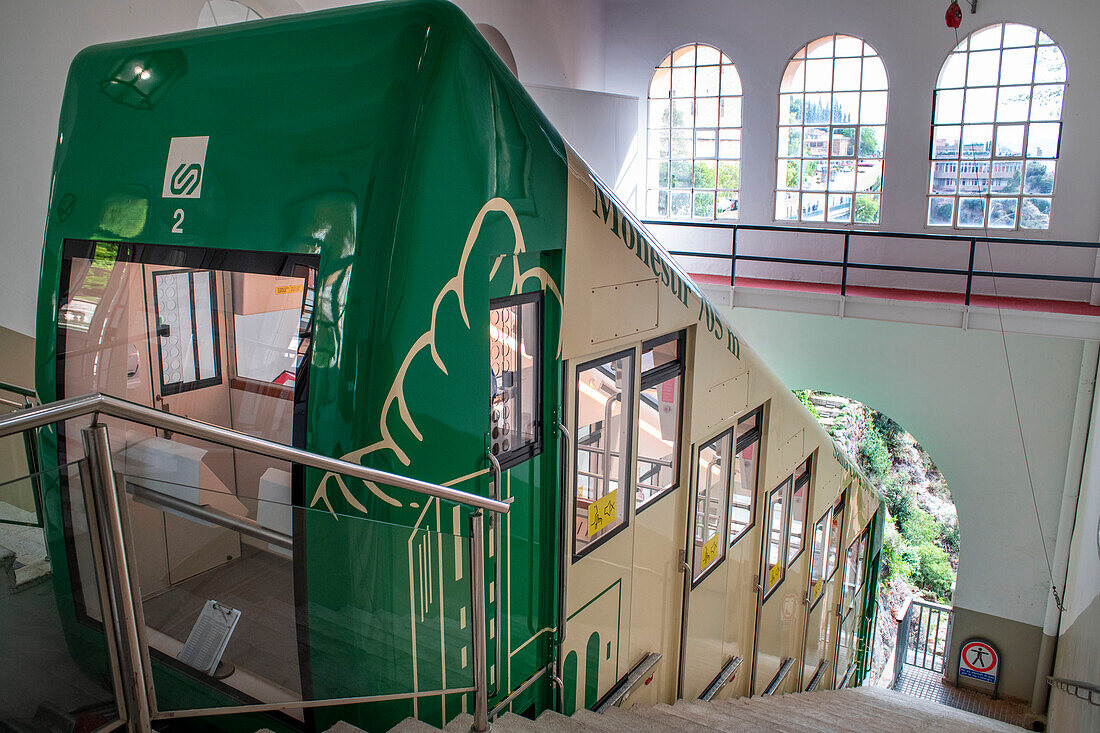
{"type": "Point", "coordinates": [944, 120]}
{"type": "Point", "coordinates": [661, 147]}
{"type": "Point", "coordinates": [785, 125]}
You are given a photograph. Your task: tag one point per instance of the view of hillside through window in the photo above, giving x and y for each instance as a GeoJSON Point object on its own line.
{"type": "Point", "coordinates": [832, 133]}
{"type": "Point", "coordinates": [694, 148]}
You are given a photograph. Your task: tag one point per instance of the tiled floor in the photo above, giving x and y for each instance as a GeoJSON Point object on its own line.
{"type": "Point", "coordinates": [929, 685]}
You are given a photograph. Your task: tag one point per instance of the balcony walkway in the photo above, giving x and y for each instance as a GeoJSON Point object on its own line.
{"type": "Point", "coordinates": [1037, 305]}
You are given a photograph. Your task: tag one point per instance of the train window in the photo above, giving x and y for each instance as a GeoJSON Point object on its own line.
{"type": "Point", "coordinates": [862, 557]}
{"type": "Point", "coordinates": [604, 399]}
{"type": "Point", "coordinates": [272, 322]}
{"type": "Point", "coordinates": [185, 305]}
{"type": "Point", "coordinates": [817, 558]}
{"type": "Point", "coordinates": [851, 572]}
{"type": "Point", "coordinates": [515, 358]}
{"type": "Point", "coordinates": [659, 418]}
{"type": "Point", "coordinates": [745, 467]}
{"type": "Point", "coordinates": [797, 525]}
{"type": "Point", "coordinates": [834, 537]}
{"type": "Point", "coordinates": [774, 567]}
{"type": "Point", "coordinates": [711, 488]}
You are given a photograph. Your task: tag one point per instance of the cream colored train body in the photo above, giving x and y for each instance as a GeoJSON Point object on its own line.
{"type": "Point", "coordinates": [662, 576]}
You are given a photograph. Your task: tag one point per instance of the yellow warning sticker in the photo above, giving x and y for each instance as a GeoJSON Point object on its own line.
{"type": "Point", "coordinates": [817, 589]}
{"type": "Point", "coordinates": [602, 512]}
{"type": "Point", "coordinates": [286, 289]}
{"type": "Point", "coordinates": [773, 574]}
{"type": "Point", "coordinates": [710, 552]}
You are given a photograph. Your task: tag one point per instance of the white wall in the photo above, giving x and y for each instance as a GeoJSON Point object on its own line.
{"type": "Point", "coordinates": [601, 128]}
{"type": "Point", "coordinates": [950, 389]}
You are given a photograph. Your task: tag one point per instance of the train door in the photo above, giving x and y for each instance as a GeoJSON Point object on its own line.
{"type": "Point", "coordinates": [830, 602]}
{"type": "Point", "coordinates": [714, 630]}
{"type": "Point", "coordinates": [188, 354]}
{"type": "Point", "coordinates": [815, 661]}
{"type": "Point", "coordinates": [230, 346]}
{"type": "Point", "coordinates": [850, 605]}
{"type": "Point", "coordinates": [779, 615]}
{"type": "Point", "coordinates": [523, 386]}
{"type": "Point", "coordinates": [658, 513]}
{"type": "Point", "coordinates": [600, 393]}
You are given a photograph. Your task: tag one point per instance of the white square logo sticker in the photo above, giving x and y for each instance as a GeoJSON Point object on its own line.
{"type": "Point", "coordinates": [183, 172]}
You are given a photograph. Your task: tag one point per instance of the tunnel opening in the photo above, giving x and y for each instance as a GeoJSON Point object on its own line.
{"type": "Point", "coordinates": [921, 544]}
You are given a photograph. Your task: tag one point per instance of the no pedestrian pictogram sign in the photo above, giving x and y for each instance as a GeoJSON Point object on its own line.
{"type": "Point", "coordinates": [979, 661]}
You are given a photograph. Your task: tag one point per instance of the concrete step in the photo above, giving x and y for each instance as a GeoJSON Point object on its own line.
{"type": "Point", "coordinates": [821, 711]}
{"type": "Point", "coordinates": [595, 721]}
{"type": "Point", "coordinates": [460, 724]}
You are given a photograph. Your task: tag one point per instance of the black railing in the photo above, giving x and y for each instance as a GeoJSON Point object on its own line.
{"type": "Point", "coordinates": [846, 263]}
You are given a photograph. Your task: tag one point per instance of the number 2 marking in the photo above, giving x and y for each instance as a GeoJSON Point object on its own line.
{"type": "Point", "coordinates": [177, 226]}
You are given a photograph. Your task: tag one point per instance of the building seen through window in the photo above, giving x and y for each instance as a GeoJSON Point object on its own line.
{"type": "Point", "coordinates": [996, 129]}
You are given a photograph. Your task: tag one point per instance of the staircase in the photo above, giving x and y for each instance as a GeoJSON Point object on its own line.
{"type": "Point", "coordinates": [864, 708]}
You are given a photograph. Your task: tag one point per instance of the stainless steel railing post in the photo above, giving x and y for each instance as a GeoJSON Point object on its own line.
{"type": "Point", "coordinates": [477, 621]}
{"type": "Point", "coordinates": [97, 447]}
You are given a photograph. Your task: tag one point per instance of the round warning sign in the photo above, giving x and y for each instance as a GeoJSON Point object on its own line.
{"type": "Point", "coordinates": [979, 661]}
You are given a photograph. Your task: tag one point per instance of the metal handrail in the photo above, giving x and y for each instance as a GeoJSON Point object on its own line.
{"type": "Point", "coordinates": [638, 672]}
{"type": "Point", "coordinates": [729, 669]}
{"type": "Point", "coordinates": [818, 674]}
{"type": "Point", "coordinates": [73, 407]}
{"type": "Point", "coordinates": [845, 264]}
{"type": "Point", "coordinates": [16, 389]}
{"type": "Point", "coordinates": [781, 675]}
{"type": "Point", "coordinates": [1075, 687]}
{"type": "Point", "coordinates": [112, 546]}
{"type": "Point", "coordinates": [244, 525]}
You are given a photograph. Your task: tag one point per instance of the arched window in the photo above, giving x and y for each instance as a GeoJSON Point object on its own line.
{"type": "Point", "coordinates": [996, 125]}
{"type": "Point", "coordinates": [832, 133]}
{"type": "Point", "coordinates": [694, 168]}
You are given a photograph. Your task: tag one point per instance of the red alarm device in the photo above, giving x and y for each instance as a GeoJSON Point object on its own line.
{"type": "Point", "coordinates": [954, 15]}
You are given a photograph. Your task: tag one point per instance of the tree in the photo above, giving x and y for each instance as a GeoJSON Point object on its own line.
{"type": "Point", "coordinates": [866, 209]}
{"type": "Point", "coordinates": [940, 212]}
{"type": "Point", "coordinates": [868, 143]}
{"type": "Point", "coordinates": [1038, 179]}
{"type": "Point", "coordinates": [971, 211]}
{"type": "Point", "coordinates": [792, 174]}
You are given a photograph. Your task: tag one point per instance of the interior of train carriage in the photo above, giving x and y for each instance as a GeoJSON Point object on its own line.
{"type": "Point", "coordinates": [604, 423]}
{"type": "Point", "coordinates": [226, 345]}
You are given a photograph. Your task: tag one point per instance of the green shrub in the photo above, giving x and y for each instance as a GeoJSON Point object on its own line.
{"type": "Point", "coordinates": [874, 456]}
{"type": "Point", "coordinates": [934, 574]}
{"type": "Point", "coordinates": [949, 536]}
{"type": "Point", "coordinates": [804, 397]}
{"type": "Point", "coordinates": [920, 528]}
{"type": "Point", "coordinates": [898, 557]}
{"type": "Point", "coordinates": [890, 431]}
{"type": "Point", "coordinates": [898, 500]}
